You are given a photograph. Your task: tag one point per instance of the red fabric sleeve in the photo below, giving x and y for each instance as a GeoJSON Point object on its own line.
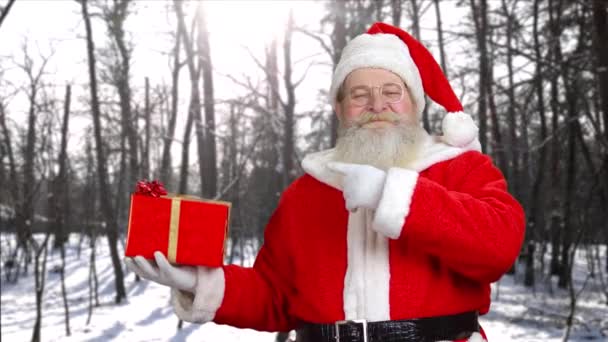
{"type": "Point", "coordinates": [256, 297]}
{"type": "Point", "coordinates": [471, 222]}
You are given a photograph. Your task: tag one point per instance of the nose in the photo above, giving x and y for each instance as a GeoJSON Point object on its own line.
{"type": "Point", "coordinates": [377, 103]}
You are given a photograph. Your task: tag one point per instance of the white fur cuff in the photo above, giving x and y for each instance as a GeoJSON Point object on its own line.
{"type": "Point", "coordinates": [201, 306]}
{"type": "Point", "coordinates": [395, 202]}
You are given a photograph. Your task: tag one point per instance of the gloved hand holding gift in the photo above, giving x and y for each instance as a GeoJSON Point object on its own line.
{"type": "Point", "coordinates": [186, 229]}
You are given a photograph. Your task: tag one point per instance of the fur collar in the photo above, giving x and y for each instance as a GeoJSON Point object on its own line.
{"type": "Point", "coordinates": [434, 151]}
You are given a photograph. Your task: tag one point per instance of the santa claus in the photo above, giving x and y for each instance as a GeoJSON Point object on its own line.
{"type": "Point", "coordinates": [393, 235]}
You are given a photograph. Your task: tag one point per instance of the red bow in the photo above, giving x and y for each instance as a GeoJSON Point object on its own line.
{"type": "Point", "coordinates": [153, 188]}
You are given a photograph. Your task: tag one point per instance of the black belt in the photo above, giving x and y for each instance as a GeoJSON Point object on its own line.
{"type": "Point", "coordinates": [451, 327]}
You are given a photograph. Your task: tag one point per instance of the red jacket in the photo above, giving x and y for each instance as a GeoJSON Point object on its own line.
{"type": "Point", "coordinates": [443, 231]}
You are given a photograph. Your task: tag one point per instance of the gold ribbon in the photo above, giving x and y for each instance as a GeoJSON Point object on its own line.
{"type": "Point", "coordinates": [176, 201]}
{"type": "Point", "coordinates": [173, 229]}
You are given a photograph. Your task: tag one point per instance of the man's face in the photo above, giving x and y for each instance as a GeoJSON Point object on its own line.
{"type": "Point", "coordinates": [378, 128]}
{"type": "Point", "coordinates": [370, 100]}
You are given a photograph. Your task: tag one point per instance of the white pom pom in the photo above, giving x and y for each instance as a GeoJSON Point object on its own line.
{"type": "Point", "coordinates": [459, 129]}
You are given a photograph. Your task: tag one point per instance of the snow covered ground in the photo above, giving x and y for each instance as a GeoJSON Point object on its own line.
{"type": "Point", "coordinates": [517, 314]}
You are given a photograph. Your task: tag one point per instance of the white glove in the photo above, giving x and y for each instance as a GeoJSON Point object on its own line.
{"type": "Point", "coordinates": [362, 185]}
{"type": "Point", "coordinates": [178, 277]}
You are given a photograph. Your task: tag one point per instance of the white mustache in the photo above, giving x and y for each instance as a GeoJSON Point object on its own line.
{"type": "Point", "coordinates": [368, 117]}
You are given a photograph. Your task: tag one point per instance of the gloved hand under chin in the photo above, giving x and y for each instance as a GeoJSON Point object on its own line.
{"type": "Point", "coordinates": [362, 185]}
{"type": "Point", "coordinates": [178, 277]}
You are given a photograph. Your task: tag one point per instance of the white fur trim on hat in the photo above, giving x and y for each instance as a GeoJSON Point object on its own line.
{"type": "Point", "coordinates": [385, 51]}
{"type": "Point", "coordinates": [459, 129]}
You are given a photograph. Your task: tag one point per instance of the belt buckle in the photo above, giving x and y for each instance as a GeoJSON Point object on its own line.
{"type": "Point", "coordinates": [363, 323]}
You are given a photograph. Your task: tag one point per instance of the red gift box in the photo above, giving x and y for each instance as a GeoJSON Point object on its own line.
{"type": "Point", "coordinates": [187, 230]}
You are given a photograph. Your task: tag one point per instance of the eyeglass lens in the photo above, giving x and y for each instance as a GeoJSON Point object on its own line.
{"type": "Point", "coordinates": [362, 95]}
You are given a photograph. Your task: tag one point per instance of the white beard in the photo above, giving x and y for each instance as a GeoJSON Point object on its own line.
{"type": "Point", "coordinates": [395, 146]}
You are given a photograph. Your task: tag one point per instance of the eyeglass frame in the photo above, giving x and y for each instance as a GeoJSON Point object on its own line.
{"type": "Point", "coordinates": [342, 96]}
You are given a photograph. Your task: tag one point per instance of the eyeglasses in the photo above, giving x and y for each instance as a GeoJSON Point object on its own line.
{"type": "Point", "coordinates": [362, 95]}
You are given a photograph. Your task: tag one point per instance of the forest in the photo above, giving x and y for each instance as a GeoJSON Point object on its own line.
{"type": "Point", "coordinates": [533, 74]}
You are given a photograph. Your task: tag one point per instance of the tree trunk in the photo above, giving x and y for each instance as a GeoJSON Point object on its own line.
{"type": "Point", "coordinates": [497, 148]}
{"type": "Point", "coordinates": [555, 188]}
{"type": "Point", "coordinates": [62, 210]}
{"type": "Point", "coordinates": [25, 214]}
{"type": "Point", "coordinates": [122, 189]}
{"type": "Point", "coordinates": [513, 143]}
{"type": "Point", "coordinates": [338, 38]}
{"type": "Point", "coordinates": [536, 224]}
{"type": "Point", "coordinates": [146, 152]}
{"type": "Point", "coordinates": [108, 212]}
{"type": "Point", "coordinates": [60, 190]}
{"type": "Point", "coordinates": [571, 84]}
{"type": "Point", "coordinates": [396, 12]}
{"type": "Point", "coordinates": [115, 18]}
{"type": "Point", "coordinates": [165, 168]}
{"type": "Point", "coordinates": [185, 163]}
{"type": "Point", "coordinates": [289, 107]}
{"type": "Point", "coordinates": [39, 280]}
{"type": "Point", "coordinates": [416, 33]}
{"type": "Point", "coordinates": [600, 37]}
{"type": "Point", "coordinates": [440, 41]}
{"type": "Point", "coordinates": [92, 280]}
{"type": "Point", "coordinates": [195, 102]}
{"type": "Point", "coordinates": [481, 27]}
{"type": "Point", "coordinates": [600, 34]}
{"type": "Point", "coordinates": [64, 294]}
{"type": "Point", "coordinates": [271, 150]}
{"type": "Point", "coordinates": [209, 160]}
{"type": "Point", "coordinates": [12, 173]}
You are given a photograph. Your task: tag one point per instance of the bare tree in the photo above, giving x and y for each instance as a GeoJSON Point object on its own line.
{"type": "Point", "coordinates": [195, 102]}
{"type": "Point", "coordinates": [169, 136]}
{"type": "Point", "coordinates": [440, 40]}
{"type": "Point", "coordinates": [209, 158]}
{"type": "Point", "coordinates": [513, 142]}
{"type": "Point", "coordinates": [497, 144]}
{"type": "Point", "coordinates": [288, 106]}
{"type": "Point", "coordinates": [115, 15]}
{"type": "Point", "coordinates": [537, 217]}
{"type": "Point", "coordinates": [396, 10]}
{"type": "Point", "coordinates": [109, 217]}
{"type": "Point", "coordinates": [40, 250]}
{"type": "Point", "coordinates": [338, 40]}
{"type": "Point", "coordinates": [61, 202]}
{"type": "Point", "coordinates": [12, 167]}
{"type": "Point", "coordinates": [555, 11]}
{"type": "Point", "coordinates": [571, 82]}
{"type": "Point", "coordinates": [600, 37]}
{"type": "Point", "coordinates": [25, 208]}
{"type": "Point", "coordinates": [479, 11]}
{"type": "Point", "coordinates": [147, 124]}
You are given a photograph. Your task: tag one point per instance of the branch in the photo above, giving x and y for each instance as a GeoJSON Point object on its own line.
{"type": "Point", "coordinates": [297, 83]}
{"type": "Point", "coordinates": [275, 92]}
{"type": "Point", "coordinates": [241, 168]}
{"type": "Point", "coordinates": [317, 38]}
{"type": "Point", "coordinates": [5, 11]}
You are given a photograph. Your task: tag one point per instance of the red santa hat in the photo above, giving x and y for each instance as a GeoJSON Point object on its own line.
{"type": "Point", "coordinates": [389, 47]}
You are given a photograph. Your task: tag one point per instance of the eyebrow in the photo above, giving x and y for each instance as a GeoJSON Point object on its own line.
{"type": "Point", "coordinates": [390, 82]}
